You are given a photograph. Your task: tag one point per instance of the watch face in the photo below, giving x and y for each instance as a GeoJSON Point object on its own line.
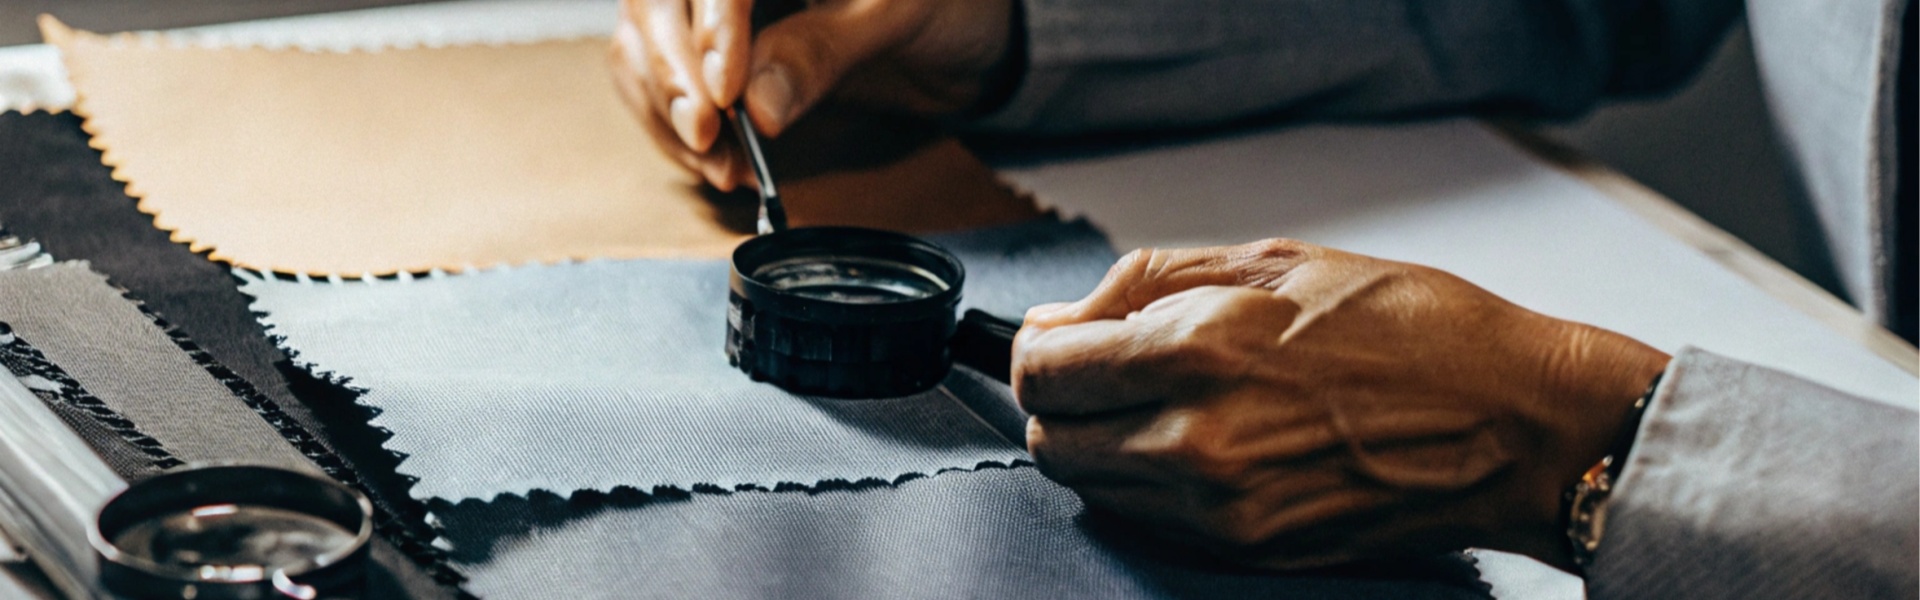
{"type": "Point", "coordinates": [1587, 511]}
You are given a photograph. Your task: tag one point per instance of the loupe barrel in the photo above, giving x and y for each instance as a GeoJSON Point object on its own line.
{"type": "Point", "coordinates": [843, 312]}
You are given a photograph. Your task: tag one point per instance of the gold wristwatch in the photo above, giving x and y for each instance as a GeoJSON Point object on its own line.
{"type": "Point", "coordinates": [1586, 500]}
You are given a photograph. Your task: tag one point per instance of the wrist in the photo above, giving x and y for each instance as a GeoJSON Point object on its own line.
{"type": "Point", "coordinates": [1591, 380]}
{"type": "Point", "coordinates": [1599, 375]}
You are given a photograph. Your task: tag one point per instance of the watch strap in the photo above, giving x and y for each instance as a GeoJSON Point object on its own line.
{"type": "Point", "coordinates": [1586, 500]}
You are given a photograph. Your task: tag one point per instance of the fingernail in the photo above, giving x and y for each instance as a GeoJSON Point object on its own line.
{"type": "Point", "coordinates": [681, 111]}
{"type": "Point", "coordinates": [772, 90]}
{"type": "Point", "coordinates": [716, 71]}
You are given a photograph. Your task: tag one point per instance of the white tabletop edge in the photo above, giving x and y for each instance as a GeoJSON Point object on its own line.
{"type": "Point", "coordinates": [1728, 250]}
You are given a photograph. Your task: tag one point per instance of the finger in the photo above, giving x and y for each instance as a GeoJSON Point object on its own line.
{"type": "Point", "coordinates": [666, 46]}
{"type": "Point", "coordinates": [798, 60]}
{"type": "Point", "coordinates": [633, 91]}
{"type": "Point", "coordinates": [1040, 312]}
{"type": "Point", "coordinates": [1088, 368]}
{"type": "Point", "coordinates": [725, 166]}
{"type": "Point", "coordinates": [1184, 347]}
{"type": "Point", "coordinates": [722, 166]}
{"type": "Point", "coordinates": [629, 72]}
{"type": "Point", "coordinates": [1146, 275]}
{"type": "Point", "coordinates": [1078, 451]}
{"type": "Point", "coordinates": [722, 31]}
{"type": "Point", "coordinates": [639, 100]}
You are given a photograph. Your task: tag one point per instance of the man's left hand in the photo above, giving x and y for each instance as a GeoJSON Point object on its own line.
{"type": "Point", "coordinates": [1286, 405]}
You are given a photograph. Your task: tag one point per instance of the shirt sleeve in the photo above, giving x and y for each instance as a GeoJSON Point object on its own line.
{"type": "Point", "coordinates": [1117, 65]}
{"type": "Point", "coordinates": [1749, 483]}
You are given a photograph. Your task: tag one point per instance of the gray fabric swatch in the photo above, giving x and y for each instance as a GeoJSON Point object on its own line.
{"type": "Point", "coordinates": [121, 357]}
{"type": "Point", "coordinates": [604, 374]}
{"type": "Point", "coordinates": [992, 533]}
{"type": "Point", "coordinates": [1015, 267]}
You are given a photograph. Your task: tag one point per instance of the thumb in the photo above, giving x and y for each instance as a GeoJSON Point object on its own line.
{"type": "Point", "coordinates": [800, 59]}
{"type": "Point", "coordinates": [1146, 275]}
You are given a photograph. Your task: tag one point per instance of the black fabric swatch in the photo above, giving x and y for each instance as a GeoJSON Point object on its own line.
{"type": "Point", "coordinates": [54, 190]}
{"type": "Point", "coordinates": [118, 441]}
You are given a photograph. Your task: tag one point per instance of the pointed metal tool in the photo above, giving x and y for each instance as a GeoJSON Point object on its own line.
{"type": "Point", "coordinates": [773, 216]}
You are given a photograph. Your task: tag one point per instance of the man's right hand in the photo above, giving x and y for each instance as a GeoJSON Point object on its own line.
{"type": "Point", "coordinates": [680, 63]}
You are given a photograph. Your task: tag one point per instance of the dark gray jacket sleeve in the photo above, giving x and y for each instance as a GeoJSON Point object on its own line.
{"type": "Point", "coordinates": [1749, 483]}
{"type": "Point", "coordinates": [1142, 64]}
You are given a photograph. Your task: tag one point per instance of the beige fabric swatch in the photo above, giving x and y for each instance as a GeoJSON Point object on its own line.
{"type": "Point", "coordinates": [412, 159]}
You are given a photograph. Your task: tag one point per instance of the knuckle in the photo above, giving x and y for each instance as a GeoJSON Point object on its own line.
{"type": "Point", "coordinates": [809, 50]}
{"type": "Point", "coordinates": [1040, 447]}
{"type": "Point", "coordinates": [1029, 392]}
{"type": "Point", "coordinates": [1031, 367]}
{"type": "Point", "coordinates": [1199, 445]}
{"type": "Point", "coordinates": [1276, 248]}
{"type": "Point", "coordinates": [1131, 262]}
{"type": "Point", "coordinates": [1037, 392]}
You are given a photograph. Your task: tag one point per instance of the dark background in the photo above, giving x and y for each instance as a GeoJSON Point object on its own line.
{"type": "Point", "coordinates": [17, 16]}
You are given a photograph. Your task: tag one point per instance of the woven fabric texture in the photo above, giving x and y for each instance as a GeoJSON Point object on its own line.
{"type": "Point", "coordinates": [119, 355]}
{"type": "Point", "coordinates": [56, 192]}
{"type": "Point", "coordinates": [60, 196]}
{"type": "Point", "coordinates": [992, 533]}
{"type": "Point", "coordinates": [606, 374]}
{"type": "Point", "coordinates": [64, 199]}
{"type": "Point", "coordinates": [115, 439]}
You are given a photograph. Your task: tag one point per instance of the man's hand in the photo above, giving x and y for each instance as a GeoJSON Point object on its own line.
{"type": "Point", "coordinates": [1285, 405]}
{"type": "Point", "coordinates": [680, 63]}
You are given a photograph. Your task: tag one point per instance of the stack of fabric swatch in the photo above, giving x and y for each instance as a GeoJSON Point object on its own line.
{"type": "Point", "coordinates": [461, 279]}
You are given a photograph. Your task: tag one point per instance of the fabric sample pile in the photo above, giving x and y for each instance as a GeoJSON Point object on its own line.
{"type": "Point", "coordinates": [146, 399]}
{"type": "Point", "coordinates": [478, 245]}
{"type": "Point", "coordinates": [57, 195]}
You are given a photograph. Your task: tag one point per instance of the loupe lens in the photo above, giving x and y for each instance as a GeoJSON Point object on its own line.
{"type": "Point", "coordinates": [843, 312]}
{"type": "Point", "coordinates": [850, 279]}
{"type": "Point", "coordinates": [233, 532]}
{"type": "Point", "coordinates": [234, 538]}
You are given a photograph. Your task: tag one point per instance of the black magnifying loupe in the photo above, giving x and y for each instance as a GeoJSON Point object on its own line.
{"type": "Point", "coordinates": [848, 312]}
{"type": "Point", "coordinates": [234, 532]}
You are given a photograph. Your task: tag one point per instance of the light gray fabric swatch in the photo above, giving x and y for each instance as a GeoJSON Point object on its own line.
{"type": "Point", "coordinates": [118, 354]}
{"type": "Point", "coordinates": [604, 374]}
{"type": "Point", "coordinates": [1015, 267]}
{"type": "Point", "coordinates": [992, 533]}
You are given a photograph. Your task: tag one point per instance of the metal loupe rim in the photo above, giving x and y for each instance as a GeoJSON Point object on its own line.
{"type": "Point", "coordinates": [923, 256]}
{"type": "Point", "coordinates": [243, 472]}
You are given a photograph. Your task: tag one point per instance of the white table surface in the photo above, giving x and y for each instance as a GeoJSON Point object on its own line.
{"type": "Point", "coordinates": [1450, 194]}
